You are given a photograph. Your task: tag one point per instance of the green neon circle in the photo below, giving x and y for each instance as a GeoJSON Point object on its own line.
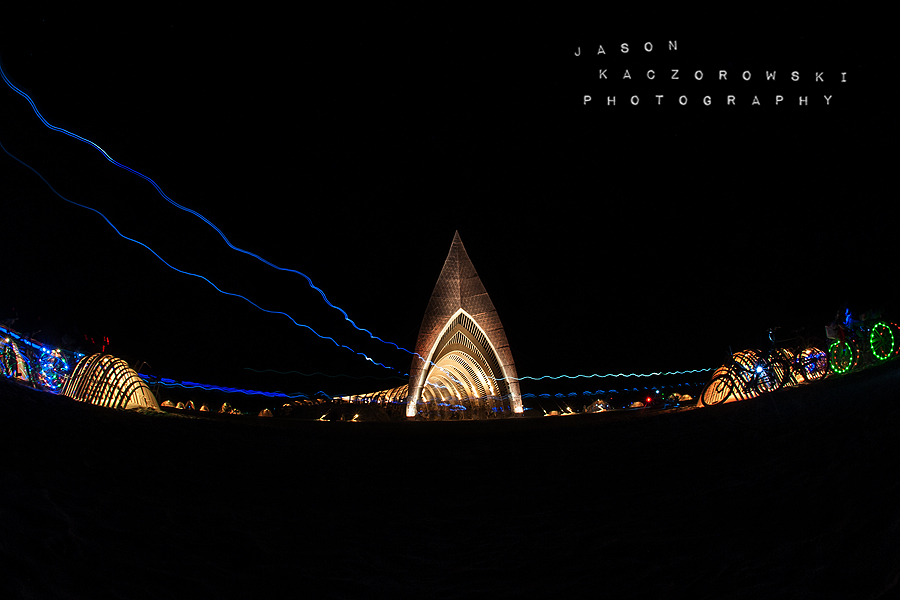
{"type": "Point", "coordinates": [840, 356]}
{"type": "Point", "coordinates": [881, 340]}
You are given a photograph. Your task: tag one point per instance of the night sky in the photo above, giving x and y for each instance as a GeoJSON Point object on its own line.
{"type": "Point", "coordinates": [610, 238]}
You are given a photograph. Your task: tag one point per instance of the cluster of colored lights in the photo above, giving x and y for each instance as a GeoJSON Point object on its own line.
{"type": "Point", "coordinates": [44, 366]}
{"type": "Point", "coordinates": [9, 359]}
{"type": "Point", "coordinates": [53, 370]}
{"type": "Point", "coordinates": [844, 354]}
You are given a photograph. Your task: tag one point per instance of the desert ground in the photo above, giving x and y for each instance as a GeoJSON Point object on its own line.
{"type": "Point", "coordinates": [791, 495]}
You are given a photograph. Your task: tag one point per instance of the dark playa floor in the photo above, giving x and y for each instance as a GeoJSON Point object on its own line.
{"type": "Point", "coordinates": [794, 495]}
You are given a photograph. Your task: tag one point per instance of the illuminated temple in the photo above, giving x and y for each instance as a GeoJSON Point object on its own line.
{"type": "Point", "coordinates": [462, 367]}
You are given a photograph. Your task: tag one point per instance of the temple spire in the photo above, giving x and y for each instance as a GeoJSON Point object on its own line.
{"type": "Point", "coordinates": [459, 289]}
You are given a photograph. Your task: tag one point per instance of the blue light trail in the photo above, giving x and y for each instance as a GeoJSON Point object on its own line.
{"type": "Point", "coordinates": [190, 385]}
{"type": "Point", "coordinates": [274, 312]}
{"type": "Point", "coordinates": [617, 391]}
{"type": "Point", "coordinates": [193, 212]}
{"type": "Point", "coordinates": [341, 376]}
{"type": "Point", "coordinates": [597, 376]}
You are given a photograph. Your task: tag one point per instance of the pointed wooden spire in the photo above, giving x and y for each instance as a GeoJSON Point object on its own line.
{"type": "Point", "coordinates": [459, 288]}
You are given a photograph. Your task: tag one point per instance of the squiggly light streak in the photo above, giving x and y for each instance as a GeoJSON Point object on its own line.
{"type": "Point", "coordinates": [341, 376]}
{"type": "Point", "coordinates": [215, 388]}
{"type": "Point", "coordinates": [602, 392]}
{"type": "Point", "coordinates": [193, 212]}
{"type": "Point", "coordinates": [597, 376]}
{"type": "Point", "coordinates": [274, 312]}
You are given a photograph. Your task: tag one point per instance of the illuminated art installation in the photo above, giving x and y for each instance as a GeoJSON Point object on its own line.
{"type": "Point", "coordinates": [751, 373]}
{"type": "Point", "coordinates": [463, 362]}
{"type": "Point", "coordinates": [108, 381]}
{"type": "Point", "coordinates": [462, 341]}
{"type": "Point", "coordinates": [12, 362]}
{"type": "Point", "coordinates": [32, 362]}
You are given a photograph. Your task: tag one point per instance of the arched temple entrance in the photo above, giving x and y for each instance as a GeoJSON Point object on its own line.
{"type": "Point", "coordinates": [463, 371]}
{"type": "Point", "coordinates": [462, 367]}
{"type": "Point", "coordinates": [462, 354]}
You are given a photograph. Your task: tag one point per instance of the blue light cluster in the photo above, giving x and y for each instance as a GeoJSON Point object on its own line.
{"type": "Point", "coordinates": [53, 369]}
{"type": "Point", "coordinates": [45, 367]}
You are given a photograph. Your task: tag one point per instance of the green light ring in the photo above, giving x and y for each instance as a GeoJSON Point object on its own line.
{"type": "Point", "coordinates": [875, 353]}
{"type": "Point", "coordinates": [845, 350]}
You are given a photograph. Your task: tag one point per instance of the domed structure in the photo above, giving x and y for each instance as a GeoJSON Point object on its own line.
{"type": "Point", "coordinates": [108, 381]}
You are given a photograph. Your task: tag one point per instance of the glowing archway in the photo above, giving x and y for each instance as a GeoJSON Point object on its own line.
{"type": "Point", "coordinates": [465, 365]}
{"type": "Point", "coordinates": [108, 381]}
{"type": "Point", "coordinates": [462, 352]}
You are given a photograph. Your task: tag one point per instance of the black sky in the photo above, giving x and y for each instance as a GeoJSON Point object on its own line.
{"type": "Point", "coordinates": [610, 238]}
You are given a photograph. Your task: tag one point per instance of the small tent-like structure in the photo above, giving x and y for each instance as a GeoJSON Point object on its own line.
{"type": "Point", "coordinates": [108, 381]}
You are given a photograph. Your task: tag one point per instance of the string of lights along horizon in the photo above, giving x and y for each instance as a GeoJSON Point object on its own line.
{"type": "Point", "coordinates": [53, 368]}
{"type": "Point", "coordinates": [271, 265]}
